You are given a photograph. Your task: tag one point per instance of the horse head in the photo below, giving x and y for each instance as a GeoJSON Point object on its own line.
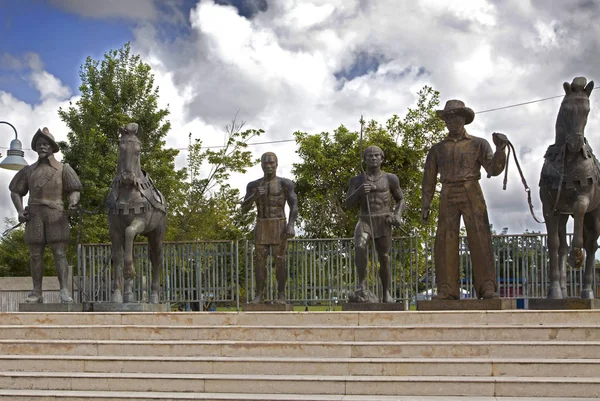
{"type": "Point", "coordinates": [573, 114]}
{"type": "Point", "coordinates": [128, 164]}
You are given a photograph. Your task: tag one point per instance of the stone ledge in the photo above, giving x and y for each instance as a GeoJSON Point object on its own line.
{"type": "Point", "coordinates": [267, 307]}
{"type": "Point", "coordinates": [561, 304]}
{"type": "Point", "coordinates": [128, 307]}
{"type": "Point", "coordinates": [54, 307]}
{"type": "Point", "coordinates": [368, 306]}
{"type": "Point", "coordinates": [467, 304]}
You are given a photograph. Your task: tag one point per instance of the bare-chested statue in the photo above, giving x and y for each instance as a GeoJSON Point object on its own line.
{"type": "Point", "coordinates": [270, 194]}
{"type": "Point", "coordinates": [373, 191]}
{"type": "Point", "coordinates": [45, 218]}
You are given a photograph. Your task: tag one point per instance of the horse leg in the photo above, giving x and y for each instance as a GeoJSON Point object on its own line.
{"type": "Point", "coordinates": [136, 227]}
{"type": "Point", "coordinates": [117, 240]}
{"type": "Point", "coordinates": [563, 251]}
{"type": "Point", "coordinates": [579, 209]}
{"type": "Point", "coordinates": [554, 291]}
{"type": "Point", "coordinates": [155, 240]}
{"type": "Point", "coordinates": [591, 227]}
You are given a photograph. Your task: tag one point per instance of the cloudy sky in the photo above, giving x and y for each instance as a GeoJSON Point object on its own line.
{"type": "Point", "coordinates": [311, 65]}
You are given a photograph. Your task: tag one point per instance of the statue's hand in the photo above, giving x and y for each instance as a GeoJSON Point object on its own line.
{"type": "Point", "coordinates": [290, 232]}
{"type": "Point", "coordinates": [24, 216]}
{"type": "Point", "coordinates": [260, 191]}
{"type": "Point", "coordinates": [500, 140]}
{"type": "Point", "coordinates": [425, 215]}
{"type": "Point", "coordinates": [394, 220]}
{"type": "Point", "coordinates": [367, 187]}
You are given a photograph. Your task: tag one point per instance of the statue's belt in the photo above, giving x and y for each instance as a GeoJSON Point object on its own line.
{"type": "Point", "coordinates": [43, 202]}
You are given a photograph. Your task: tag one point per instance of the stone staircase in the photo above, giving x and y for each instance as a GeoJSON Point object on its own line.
{"type": "Point", "coordinates": [316, 356]}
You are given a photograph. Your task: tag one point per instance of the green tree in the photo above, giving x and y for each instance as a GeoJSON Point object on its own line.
{"type": "Point", "coordinates": [211, 208]}
{"type": "Point", "coordinates": [117, 90]}
{"type": "Point", "coordinates": [330, 160]}
{"type": "Point", "coordinates": [14, 253]}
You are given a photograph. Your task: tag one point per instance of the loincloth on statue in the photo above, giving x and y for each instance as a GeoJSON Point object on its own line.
{"type": "Point", "coordinates": [269, 231]}
{"type": "Point", "coordinates": [46, 225]}
{"type": "Point", "coordinates": [381, 227]}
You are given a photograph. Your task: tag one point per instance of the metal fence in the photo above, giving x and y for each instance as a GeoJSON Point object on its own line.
{"type": "Point", "coordinates": [200, 275]}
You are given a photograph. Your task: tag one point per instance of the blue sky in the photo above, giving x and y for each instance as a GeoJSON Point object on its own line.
{"type": "Point", "coordinates": [63, 41]}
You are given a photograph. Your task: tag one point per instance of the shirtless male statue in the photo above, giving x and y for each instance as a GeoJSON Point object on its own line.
{"type": "Point", "coordinates": [270, 194]}
{"type": "Point", "coordinates": [373, 191]}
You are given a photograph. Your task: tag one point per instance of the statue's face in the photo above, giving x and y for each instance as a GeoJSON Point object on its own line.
{"type": "Point", "coordinates": [269, 164]}
{"type": "Point", "coordinates": [455, 121]}
{"type": "Point", "coordinates": [373, 158]}
{"type": "Point", "coordinates": [43, 148]}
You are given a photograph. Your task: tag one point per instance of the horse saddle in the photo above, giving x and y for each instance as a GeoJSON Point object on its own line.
{"type": "Point", "coordinates": [572, 175]}
{"type": "Point", "coordinates": [152, 198]}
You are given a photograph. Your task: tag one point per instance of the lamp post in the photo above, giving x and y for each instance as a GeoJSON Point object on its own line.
{"type": "Point", "coordinates": [14, 156]}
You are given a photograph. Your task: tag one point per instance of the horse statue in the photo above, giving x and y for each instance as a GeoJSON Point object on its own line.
{"type": "Point", "coordinates": [570, 186]}
{"type": "Point", "coordinates": [134, 206]}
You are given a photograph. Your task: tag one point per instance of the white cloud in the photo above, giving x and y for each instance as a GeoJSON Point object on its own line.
{"type": "Point", "coordinates": [49, 86]}
{"type": "Point", "coordinates": [277, 69]}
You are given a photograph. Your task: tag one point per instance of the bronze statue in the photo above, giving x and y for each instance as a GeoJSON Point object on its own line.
{"type": "Point", "coordinates": [45, 219]}
{"type": "Point", "coordinates": [569, 185]}
{"type": "Point", "coordinates": [270, 194]}
{"type": "Point", "coordinates": [134, 206]}
{"type": "Point", "coordinates": [458, 160]}
{"type": "Point", "coordinates": [372, 191]}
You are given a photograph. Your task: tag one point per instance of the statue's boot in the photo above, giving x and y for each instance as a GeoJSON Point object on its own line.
{"type": "Point", "coordinates": [34, 298]}
{"type": "Point", "coordinates": [257, 300]}
{"type": "Point", "coordinates": [281, 299]}
{"type": "Point", "coordinates": [445, 293]}
{"type": "Point", "coordinates": [488, 291]}
{"type": "Point", "coordinates": [65, 296]}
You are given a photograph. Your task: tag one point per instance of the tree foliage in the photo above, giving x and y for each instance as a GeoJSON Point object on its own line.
{"type": "Point", "coordinates": [211, 207]}
{"type": "Point", "coordinates": [115, 91]}
{"type": "Point", "coordinates": [329, 161]}
{"type": "Point", "coordinates": [14, 253]}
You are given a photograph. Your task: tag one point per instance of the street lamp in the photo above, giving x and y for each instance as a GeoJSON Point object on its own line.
{"type": "Point", "coordinates": [14, 156]}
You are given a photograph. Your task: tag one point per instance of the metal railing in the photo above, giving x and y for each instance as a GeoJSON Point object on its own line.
{"type": "Point", "coordinates": [200, 275]}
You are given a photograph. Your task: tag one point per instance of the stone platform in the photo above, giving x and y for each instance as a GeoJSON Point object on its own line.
{"type": "Point", "coordinates": [372, 306]}
{"type": "Point", "coordinates": [267, 307]}
{"type": "Point", "coordinates": [563, 304]}
{"type": "Point", "coordinates": [93, 307]}
{"type": "Point", "coordinates": [54, 307]}
{"type": "Point", "coordinates": [128, 307]}
{"type": "Point", "coordinates": [467, 304]}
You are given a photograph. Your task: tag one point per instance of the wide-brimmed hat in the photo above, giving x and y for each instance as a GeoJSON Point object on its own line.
{"type": "Point", "coordinates": [44, 133]}
{"type": "Point", "coordinates": [457, 106]}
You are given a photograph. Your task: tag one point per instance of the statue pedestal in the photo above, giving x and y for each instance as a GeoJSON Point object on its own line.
{"type": "Point", "coordinates": [128, 307]}
{"type": "Point", "coordinates": [568, 303]}
{"type": "Point", "coordinates": [267, 308]}
{"type": "Point", "coordinates": [467, 304]}
{"type": "Point", "coordinates": [372, 306]}
{"type": "Point", "coordinates": [54, 307]}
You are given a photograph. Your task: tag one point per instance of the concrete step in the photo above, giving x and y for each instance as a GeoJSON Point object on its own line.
{"type": "Point", "coordinates": [587, 332]}
{"type": "Point", "coordinates": [512, 317]}
{"type": "Point", "coordinates": [503, 386]}
{"type": "Point", "coordinates": [53, 395]}
{"type": "Point", "coordinates": [299, 349]}
{"type": "Point", "coordinates": [522, 367]}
